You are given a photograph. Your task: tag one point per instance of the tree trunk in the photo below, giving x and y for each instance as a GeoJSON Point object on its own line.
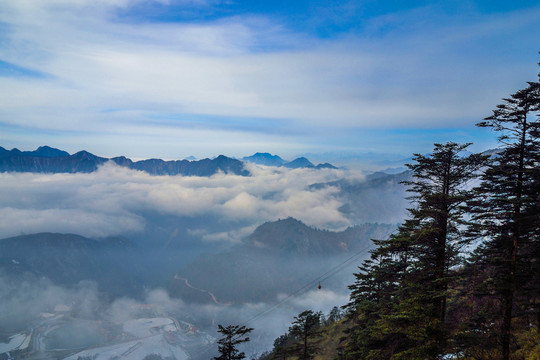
{"type": "Point", "coordinates": [509, 297]}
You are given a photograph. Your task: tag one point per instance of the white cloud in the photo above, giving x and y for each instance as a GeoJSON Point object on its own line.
{"type": "Point", "coordinates": [78, 221]}
{"type": "Point", "coordinates": [415, 76]}
{"type": "Point", "coordinates": [234, 236]}
{"type": "Point", "coordinates": [113, 199]}
{"type": "Point", "coordinates": [320, 300]}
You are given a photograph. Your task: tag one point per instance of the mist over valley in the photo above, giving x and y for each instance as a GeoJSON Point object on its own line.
{"type": "Point", "coordinates": [96, 243]}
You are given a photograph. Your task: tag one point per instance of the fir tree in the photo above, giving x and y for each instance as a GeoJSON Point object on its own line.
{"type": "Point", "coordinates": [373, 298]}
{"type": "Point", "coordinates": [233, 335]}
{"type": "Point", "coordinates": [507, 216]}
{"type": "Point", "coordinates": [403, 291]}
{"type": "Point", "coordinates": [305, 329]}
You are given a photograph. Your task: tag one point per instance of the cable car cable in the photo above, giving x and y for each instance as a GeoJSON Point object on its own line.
{"type": "Point", "coordinates": [328, 274]}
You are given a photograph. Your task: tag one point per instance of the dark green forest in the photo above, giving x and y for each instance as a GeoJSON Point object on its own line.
{"type": "Point", "coordinates": [460, 278]}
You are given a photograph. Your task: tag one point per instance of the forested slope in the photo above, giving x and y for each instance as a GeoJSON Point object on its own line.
{"type": "Point", "coordinates": [460, 279]}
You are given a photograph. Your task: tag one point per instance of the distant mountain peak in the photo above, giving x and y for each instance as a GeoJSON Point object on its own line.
{"type": "Point", "coordinates": [264, 158]}
{"type": "Point", "coordinates": [267, 159]}
{"type": "Point", "coordinates": [3, 151]}
{"type": "Point", "coordinates": [292, 237]}
{"type": "Point", "coordinates": [325, 166]}
{"type": "Point", "coordinates": [47, 151]}
{"type": "Point", "coordinates": [84, 153]}
{"type": "Point", "coordinates": [266, 155]}
{"type": "Point", "coordinates": [300, 162]}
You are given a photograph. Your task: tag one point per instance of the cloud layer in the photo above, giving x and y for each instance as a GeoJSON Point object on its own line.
{"type": "Point", "coordinates": [116, 200]}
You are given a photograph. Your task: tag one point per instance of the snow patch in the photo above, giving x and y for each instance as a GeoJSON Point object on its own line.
{"type": "Point", "coordinates": [135, 349]}
{"type": "Point", "coordinates": [16, 342]}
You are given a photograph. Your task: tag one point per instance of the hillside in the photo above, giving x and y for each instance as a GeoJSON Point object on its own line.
{"type": "Point", "coordinates": [278, 256]}
{"type": "Point", "coordinates": [67, 259]}
{"type": "Point", "coordinates": [328, 337]}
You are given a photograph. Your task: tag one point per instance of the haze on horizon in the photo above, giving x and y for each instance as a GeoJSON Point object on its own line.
{"type": "Point", "coordinates": [171, 79]}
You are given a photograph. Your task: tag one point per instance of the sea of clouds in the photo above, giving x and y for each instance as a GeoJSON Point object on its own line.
{"type": "Point", "coordinates": [116, 200]}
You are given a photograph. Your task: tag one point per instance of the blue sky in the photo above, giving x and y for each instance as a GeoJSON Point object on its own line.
{"type": "Point", "coordinates": [175, 78]}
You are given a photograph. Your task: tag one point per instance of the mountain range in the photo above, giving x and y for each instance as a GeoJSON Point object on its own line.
{"type": "Point", "coordinates": [46, 159]}
{"type": "Point", "coordinates": [50, 160]}
{"type": "Point", "coordinates": [274, 160]}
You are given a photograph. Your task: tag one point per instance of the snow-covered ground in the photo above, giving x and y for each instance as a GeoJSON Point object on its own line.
{"type": "Point", "coordinates": [151, 334]}
{"type": "Point", "coordinates": [148, 326]}
{"type": "Point", "coordinates": [16, 342]}
{"type": "Point", "coordinates": [135, 349]}
{"type": "Point", "coordinates": [135, 338]}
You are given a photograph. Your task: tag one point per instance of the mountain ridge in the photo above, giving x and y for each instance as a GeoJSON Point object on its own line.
{"type": "Point", "coordinates": [278, 255]}
{"type": "Point", "coordinates": [50, 160]}
{"type": "Point", "coordinates": [268, 159]}
{"type": "Point", "coordinates": [46, 159]}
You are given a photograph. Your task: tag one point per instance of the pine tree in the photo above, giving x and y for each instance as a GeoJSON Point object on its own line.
{"type": "Point", "coordinates": [475, 309]}
{"type": "Point", "coordinates": [233, 335]}
{"type": "Point", "coordinates": [336, 314]}
{"type": "Point", "coordinates": [403, 291]}
{"type": "Point", "coordinates": [507, 216]}
{"type": "Point", "coordinates": [305, 329]}
{"type": "Point", "coordinates": [373, 299]}
{"type": "Point", "coordinates": [282, 347]}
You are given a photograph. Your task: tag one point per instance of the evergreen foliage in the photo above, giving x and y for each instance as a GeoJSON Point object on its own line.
{"type": "Point", "coordinates": [304, 335]}
{"type": "Point", "coordinates": [401, 292]}
{"type": "Point", "coordinates": [305, 327]}
{"type": "Point", "coordinates": [508, 214]}
{"type": "Point", "coordinates": [233, 335]}
{"type": "Point", "coordinates": [460, 279]}
{"type": "Point", "coordinates": [419, 296]}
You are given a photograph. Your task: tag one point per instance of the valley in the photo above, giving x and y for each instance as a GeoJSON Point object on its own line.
{"type": "Point", "coordinates": [187, 257]}
{"type": "Point", "coordinates": [148, 331]}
